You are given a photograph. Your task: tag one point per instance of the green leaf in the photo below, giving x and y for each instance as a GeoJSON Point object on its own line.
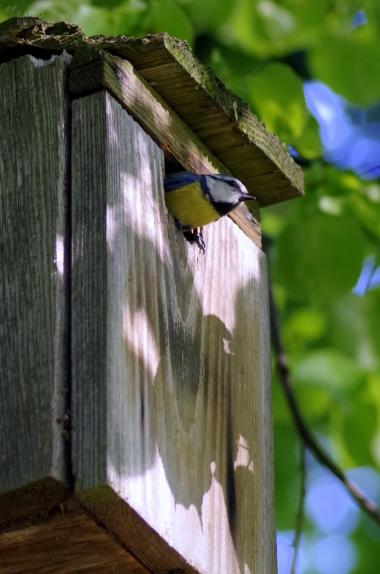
{"type": "Point", "coordinates": [374, 398]}
{"type": "Point", "coordinates": [270, 27]}
{"type": "Point", "coordinates": [327, 368]}
{"type": "Point", "coordinates": [207, 15]}
{"type": "Point", "coordinates": [276, 93]}
{"type": "Point", "coordinates": [93, 19]}
{"type": "Point", "coordinates": [168, 16]}
{"type": "Point", "coordinates": [349, 65]}
{"type": "Point", "coordinates": [355, 328]}
{"type": "Point", "coordinates": [96, 17]}
{"type": "Point", "coordinates": [365, 209]}
{"type": "Point", "coordinates": [304, 326]}
{"type": "Point", "coordinates": [234, 68]}
{"type": "Point", "coordinates": [308, 142]}
{"type": "Point", "coordinates": [372, 306]}
{"type": "Point", "coordinates": [353, 427]}
{"type": "Point", "coordinates": [112, 3]}
{"type": "Point", "coordinates": [366, 540]}
{"type": "Point", "coordinates": [319, 257]}
{"type": "Point", "coordinates": [55, 10]}
{"type": "Point", "coordinates": [314, 402]}
{"type": "Point", "coordinates": [130, 17]}
{"type": "Point", "coordinates": [286, 449]}
{"type": "Point", "coordinates": [281, 413]}
{"type": "Point", "coordinates": [322, 380]}
{"type": "Point", "coordinates": [9, 9]}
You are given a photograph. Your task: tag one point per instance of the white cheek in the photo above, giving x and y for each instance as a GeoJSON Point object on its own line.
{"type": "Point", "coordinates": [220, 191]}
{"type": "Point", "coordinates": [243, 189]}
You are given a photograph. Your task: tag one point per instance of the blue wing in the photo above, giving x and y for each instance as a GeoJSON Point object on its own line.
{"type": "Point", "coordinates": [177, 180]}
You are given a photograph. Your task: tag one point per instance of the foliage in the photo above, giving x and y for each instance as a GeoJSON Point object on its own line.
{"type": "Point", "coordinates": [264, 50]}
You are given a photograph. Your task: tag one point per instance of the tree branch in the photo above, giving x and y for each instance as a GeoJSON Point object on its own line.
{"type": "Point", "coordinates": [304, 432]}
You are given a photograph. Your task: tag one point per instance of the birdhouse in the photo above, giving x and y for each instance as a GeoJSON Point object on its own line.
{"type": "Point", "coordinates": [135, 414]}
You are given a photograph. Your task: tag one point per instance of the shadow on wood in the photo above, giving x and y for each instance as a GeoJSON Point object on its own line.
{"type": "Point", "coordinates": [170, 355]}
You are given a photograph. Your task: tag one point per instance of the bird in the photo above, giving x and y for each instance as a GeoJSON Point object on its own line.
{"type": "Point", "coordinates": [195, 200]}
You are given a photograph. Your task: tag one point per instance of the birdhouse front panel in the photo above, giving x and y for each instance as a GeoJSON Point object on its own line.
{"type": "Point", "coordinates": [171, 369]}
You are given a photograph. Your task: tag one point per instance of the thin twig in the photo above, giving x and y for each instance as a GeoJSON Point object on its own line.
{"type": "Point", "coordinates": [304, 432]}
{"type": "Point", "coordinates": [300, 511]}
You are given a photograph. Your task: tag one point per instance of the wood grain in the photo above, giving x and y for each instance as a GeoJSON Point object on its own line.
{"type": "Point", "coordinates": [33, 171]}
{"type": "Point", "coordinates": [68, 542]}
{"type": "Point", "coordinates": [171, 366]}
{"type": "Point", "coordinates": [94, 70]}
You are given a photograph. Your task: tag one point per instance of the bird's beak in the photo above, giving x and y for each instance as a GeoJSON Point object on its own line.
{"type": "Point", "coordinates": [246, 197]}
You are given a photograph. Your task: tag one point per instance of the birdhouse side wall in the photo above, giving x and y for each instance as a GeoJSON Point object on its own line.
{"type": "Point", "coordinates": [33, 322]}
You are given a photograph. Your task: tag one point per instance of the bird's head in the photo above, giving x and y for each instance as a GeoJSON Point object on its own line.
{"type": "Point", "coordinates": [226, 191]}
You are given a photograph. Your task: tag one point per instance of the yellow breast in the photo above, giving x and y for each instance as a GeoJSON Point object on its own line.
{"type": "Point", "coordinates": [190, 207]}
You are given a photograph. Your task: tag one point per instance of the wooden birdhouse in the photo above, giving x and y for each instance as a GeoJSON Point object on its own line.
{"type": "Point", "coordinates": [135, 414]}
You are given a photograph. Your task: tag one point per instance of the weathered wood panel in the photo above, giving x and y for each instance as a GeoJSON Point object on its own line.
{"type": "Point", "coordinates": [68, 542]}
{"type": "Point", "coordinates": [171, 369]}
{"type": "Point", "coordinates": [33, 171]}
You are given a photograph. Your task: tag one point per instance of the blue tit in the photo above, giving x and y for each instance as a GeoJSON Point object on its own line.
{"type": "Point", "coordinates": [195, 200]}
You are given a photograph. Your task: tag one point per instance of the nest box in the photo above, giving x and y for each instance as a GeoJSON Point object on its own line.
{"type": "Point", "coordinates": [135, 415]}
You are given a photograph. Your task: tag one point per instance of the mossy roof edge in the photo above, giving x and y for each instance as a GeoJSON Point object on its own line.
{"type": "Point", "coordinates": [238, 111]}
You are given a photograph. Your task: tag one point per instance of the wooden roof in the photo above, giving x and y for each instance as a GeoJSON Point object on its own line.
{"type": "Point", "coordinates": [222, 121]}
{"type": "Point", "coordinates": [66, 540]}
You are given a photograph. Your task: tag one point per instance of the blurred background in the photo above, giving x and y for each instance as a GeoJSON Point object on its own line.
{"type": "Point", "coordinates": [310, 69]}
